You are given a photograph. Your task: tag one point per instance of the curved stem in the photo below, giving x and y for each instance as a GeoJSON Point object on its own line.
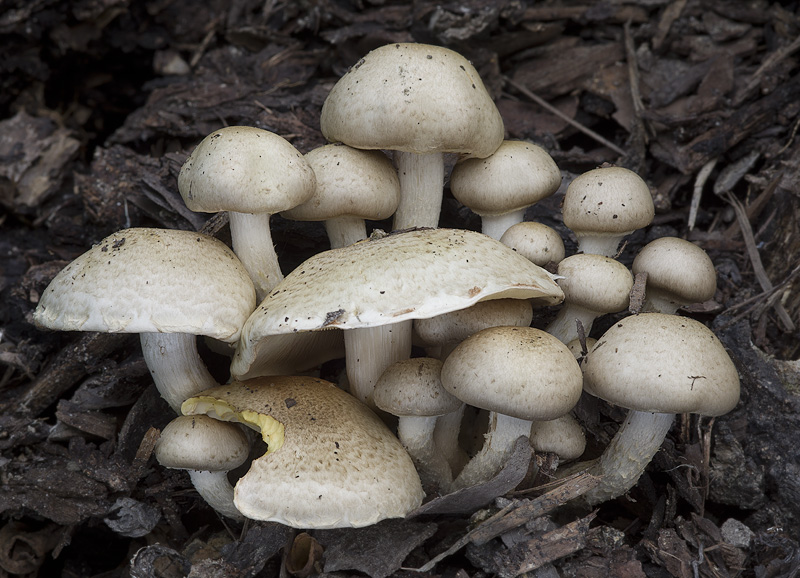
{"type": "Point", "coordinates": [421, 189]}
{"type": "Point", "coordinates": [628, 454]}
{"type": "Point", "coordinates": [217, 491]}
{"type": "Point", "coordinates": [496, 225]}
{"type": "Point", "coordinates": [175, 365]}
{"type": "Point", "coordinates": [503, 431]}
{"type": "Point", "coordinates": [344, 231]}
{"type": "Point", "coordinates": [369, 351]}
{"type": "Point", "coordinates": [416, 435]}
{"type": "Point", "coordinates": [252, 242]}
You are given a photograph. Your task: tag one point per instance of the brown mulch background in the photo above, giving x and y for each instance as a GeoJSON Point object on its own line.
{"type": "Point", "coordinates": [101, 101]}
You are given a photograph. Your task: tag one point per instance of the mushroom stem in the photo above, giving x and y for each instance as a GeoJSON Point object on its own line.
{"type": "Point", "coordinates": [217, 491]}
{"type": "Point", "coordinates": [252, 242]}
{"type": "Point", "coordinates": [176, 366]}
{"type": "Point", "coordinates": [606, 245]}
{"type": "Point", "coordinates": [369, 351]}
{"type": "Point", "coordinates": [416, 435]}
{"type": "Point", "coordinates": [445, 436]}
{"type": "Point", "coordinates": [565, 324]}
{"type": "Point", "coordinates": [503, 431]}
{"type": "Point", "coordinates": [496, 225]}
{"type": "Point", "coordinates": [344, 231]}
{"type": "Point", "coordinates": [626, 457]}
{"type": "Point", "coordinates": [421, 189]}
{"type": "Point", "coordinates": [660, 302]}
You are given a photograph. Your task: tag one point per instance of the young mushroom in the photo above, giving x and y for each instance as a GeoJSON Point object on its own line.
{"type": "Point", "coordinates": [352, 185]}
{"type": "Point", "coordinates": [519, 374]}
{"type": "Point", "coordinates": [251, 173]}
{"type": "Point", "coordinates": [604, 205]}
{"type": "Point", "coordinates": [500, 187]}
{"type": "Point", "coordinates": [330, 461]}
{"type": "Point", "coordinates": [375, 288]}
{"type": "Point", "coordinates": [208, 449]}
{"type": "Point", "coordinates": [541, 244]}
{"type": "Point", "coordinates": [679, 273]}
{"type": "Point", "coordinates": [168, 286]}
{"type": "Point", "coordinates": [655, 365]}
{"type": "Point", "coordinates": [419, 101]}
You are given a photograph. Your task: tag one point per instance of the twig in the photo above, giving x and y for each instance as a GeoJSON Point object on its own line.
{"type": "Point", "coordinates": [770, 62]}
{"type": "Point", "coordinates": [553, 110]}
{"type": "Point", "coordinates": [699, 183]}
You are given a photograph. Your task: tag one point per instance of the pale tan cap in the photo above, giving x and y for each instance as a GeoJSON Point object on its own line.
{"type": "Point", "coordinates": [415, 98]}
{"type": "Point", "coordinates": [198, 442]}
{"type": "Point", "coordinates": [522, 372]}
{"type": "Point", "coordinates": [537, 242]}
{"type": "Point", "coordinates": [517, 175]}
{"type": "Point", "coordinates": [413, 387]}
{"type": "Point", "coordinates": [151, 280]}
{"type": "Point", "coordinates": [331, 462]}
{"type": "Point", "coordinates": [402, 276]}
{"type": "Point", "coordinates": [246, 170]}
{"type": "Point", "coordinates": [662, 363]}
{"type": "Point", "coordinates": [350, 182]}
{"type": "Point", "coordinates": [594, 282]}
{"type": "Point", "coordinates": [456, 326]}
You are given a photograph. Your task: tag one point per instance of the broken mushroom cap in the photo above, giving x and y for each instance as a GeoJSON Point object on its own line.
{"type": "Point", "coordinates": [501, 186]}
{"type": "Point", "coordinates": [208, 448]}
{"type": "Point", "coordinates": [679, 273]}
{"type": "Point", "coordinates": [604, 205]}
{"type": "Point", "coordinates": [330, 462]}
{"type": "Point", "coordinates": [653, 362]}
{"type": "Point", "coordinates": [166, 285]}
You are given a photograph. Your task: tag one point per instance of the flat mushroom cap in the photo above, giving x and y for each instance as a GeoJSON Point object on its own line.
{"type": "Point", "coordinates": [413, 387]}
{"type": "Point", "coordinates": [677, 267]}
{"type": "Point", "coordinates": [246, 170]}
{"type": "Point", "coordinates": [595, 282]}
{"type": "Point", "coordinates": [662, 363]}
{"type": "Point", "coordinates": [330, 463]}
{"type": "Point", "coordinates": [350, 182]}
{"type": "Point", "coordinates": [608, 201]}
{"type": "Point", "coordinates": [198, 442]}
{"type": "Point", "coordinates": [151, 280]}
{"type": "Point", "coordinates": [402, 276]}
{"type": "Point", "coordinates": [415, 98]}
{"type": "Point", "coordinates": [522, 372]}
{"type": "Point", "coordinates": [515, 176]}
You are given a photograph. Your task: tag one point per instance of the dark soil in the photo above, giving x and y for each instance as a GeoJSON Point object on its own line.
{"type": "Point", "coordinates": [102, 100]}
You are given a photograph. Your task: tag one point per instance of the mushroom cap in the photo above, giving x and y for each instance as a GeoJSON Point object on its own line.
{"type": "Point", "coordinates": [151, 280]}
{"type": "Point", "coordinates": [595, 282]}
{"type": "Point", "coordinates": [330, 463]}
{"type": "Point", "coordinates": [515, 176]}
{"type": "Point", "coordinates": [198, 442]}
{"type": "Point", "coordinates": [563, 436]}
{"type": "Point", "coordinates": [522, 372]}
{"type": "Point", "coordinates": [413, 387]}
{"type": "Point", "coordinates": [607, 201]}
{"type": "Point", "coordinates": [677, 268]}
{"type": "Point", "coordinates": [246, 170]}
{"type": "Point", "coordinates": [539, 243]}
{"type": "Point", "coordinates": [402, 276]}
{"type": "Point", "coordinates": [456, 326]}
{"type": "Point", "coordinates": [415, 98]}
{"type": "Point", "coordinates": [662, 363]}
{"type": "Point", "coordinates": [350, 182]}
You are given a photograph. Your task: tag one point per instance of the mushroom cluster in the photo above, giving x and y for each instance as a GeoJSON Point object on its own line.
{"type": "Point", "coordinates": [323, 458]}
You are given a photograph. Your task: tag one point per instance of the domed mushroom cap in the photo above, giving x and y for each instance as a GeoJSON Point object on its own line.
{"type": "Point", "coordinates": [198, 442]}
{"type": "Point", "coordinates": [607, 201]}
{"type": "Point", "coordinates": [456, 326]}
{"type": "Point", "coordinates": [522, 372]}
{"type": "Point", "coordinates": [415, 98]}
{"type": "Point", "coordinates": [350, 182]}
{"type": "Point", "coordinates": [563, 436]}
{"type": "Point", "coordinates": [539, 243]}
{"type": "Point", "coordinates": [677, 270]}
{"type": "Point", "coordinates": [595, 282]}
{"type": "Point", "coordinates": [330, 463]}
{"type": "Point", "coordinates": [655, 362]}
{"type": "Point", "coordinates": [413, 387]}
{"type": "Point", "coordinates": [151, 280]}
{"type": "Point", "coordinates": [246, 170]}
{"type": "Point", "coordinates": [515, 176]}
{"type": "Point", "coordinates": [402, 276]}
